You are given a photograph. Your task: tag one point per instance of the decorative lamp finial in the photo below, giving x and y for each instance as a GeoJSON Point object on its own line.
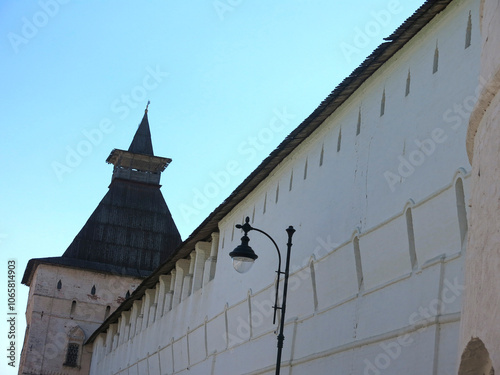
{"type": "Point", "coordinates": [146, 111]}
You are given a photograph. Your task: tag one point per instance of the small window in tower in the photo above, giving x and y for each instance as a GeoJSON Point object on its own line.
{"type": "Point", "coordinates": [127, 295]}
{"type": "Point", "coordinates": [73, 308]}
{"type": "Point", "coordinates": [72, 355]}
{"type": "Point", "coordinates": [92, 291]}
{"type": "Point", "coordinates": [106, 313]}
{"type": "Point", "coordinates": [59, 285]}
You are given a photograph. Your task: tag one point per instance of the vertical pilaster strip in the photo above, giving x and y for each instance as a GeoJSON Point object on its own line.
{"type": "Point", "coordinates": [211, 262]}
{"type": "Point", "coordinates": [163, 284]}
{"type": "Point", "coordinates": [188, 278]}
{"type": "Point", "coordinates": [169, 296]}
{"type": "Point", "coordinates": [181, 269]}
{"type": "Point", "coordinates": [201, 249]}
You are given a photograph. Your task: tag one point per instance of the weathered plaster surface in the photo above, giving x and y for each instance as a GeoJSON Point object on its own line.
{"type": "Point", "coordinates": [489, 83]}
{"type": "Point", "coordinates": [481, 308]}
{"type": "Point", "coordinates": [53, 314]}
{"type": "Point", "coordinates": [480, 326]}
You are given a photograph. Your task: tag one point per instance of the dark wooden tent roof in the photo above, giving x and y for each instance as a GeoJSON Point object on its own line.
{"type": "Point", "coordinates": [131, 232]}
{"type": "Point", "coordinates": [131, 227]}
{"type": "Point", "coordinates": [141, 144]}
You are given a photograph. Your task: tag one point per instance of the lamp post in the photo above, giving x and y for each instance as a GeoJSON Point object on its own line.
{"type": "Point", "coordinates": [243, 259]}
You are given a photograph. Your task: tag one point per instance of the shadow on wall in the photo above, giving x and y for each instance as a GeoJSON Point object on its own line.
{"type": "Point", "coordinates": [476, 359]}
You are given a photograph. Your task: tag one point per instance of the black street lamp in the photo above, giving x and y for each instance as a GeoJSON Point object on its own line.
{"type": "Point", "coordinates": [243, 259]}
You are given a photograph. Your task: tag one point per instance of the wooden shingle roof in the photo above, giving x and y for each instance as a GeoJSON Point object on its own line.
{"type": "Point", "coordinates": [131, 232]}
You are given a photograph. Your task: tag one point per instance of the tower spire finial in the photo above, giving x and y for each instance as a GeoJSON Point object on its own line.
{"type": "Point", "coordinates": [147, 105]}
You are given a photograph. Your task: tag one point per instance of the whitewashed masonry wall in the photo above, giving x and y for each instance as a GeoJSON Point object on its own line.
{"type": "Point", "coordinates": [378, 198]}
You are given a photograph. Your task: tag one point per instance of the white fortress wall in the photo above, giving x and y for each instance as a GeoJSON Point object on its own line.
{"type": "Point", "coordinates": [378, 253]}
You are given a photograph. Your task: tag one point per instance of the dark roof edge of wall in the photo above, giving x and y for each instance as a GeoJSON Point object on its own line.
{"type": "Point", "coordinates": [393, 43]}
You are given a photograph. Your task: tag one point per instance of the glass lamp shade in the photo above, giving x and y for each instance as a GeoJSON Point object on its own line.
{"type": "Point", "coordinates": [243, 256]}
{"type": "Point", "coordinates": [242, 264]}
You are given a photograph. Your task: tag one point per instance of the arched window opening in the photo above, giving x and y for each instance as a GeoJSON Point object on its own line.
{"type": "Point", "coordinates": [59, 285]}
{"type": "Point", "coordinates": [73, 308]}
{"type": "Point", "coordinates": [92, 291]}
{"type": "Point", "coordinates": [76, 337]}
{"type": "Point", "coordinates": [476, 359]}
{"type": "Point", "coordinates": [72, 355]}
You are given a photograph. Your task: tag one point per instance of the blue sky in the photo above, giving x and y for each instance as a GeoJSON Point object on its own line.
{"type": "Point", "coordinates": [227, 80]}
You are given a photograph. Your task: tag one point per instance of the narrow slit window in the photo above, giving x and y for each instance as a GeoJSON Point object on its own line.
{"type": "Point", "coordinates": [277, 193]}
{"type": "Point", "coordinates": [291, 182]}
{"type": "Point", "coordinates": [339, 140]}
{"type": "Point", "coordinates": [382, 104]}
{"type": "Point", "coordinates": [73, 308]}
{"type": "Point", "coordinates": [408, 82]}
{"type": "Point", "coordinates": [305, 170]}
{"type": "Point", "coordinates": [358, 127]}
{"type": "Point", "coordinates": [357, 259]}
{"type": "Point", "coordinates": [265, 204]}
{"type": "Point", "coordinates": [59, 285]}
{"type": "Point", "coordinates": [411, 239]}
{"type": "Point", "coordinates": [321, 155]}
{"type": "Point", "coordinates": [435, 65]}
{"type": "Point", "coordinates": [468, 31]}
{"type": "Point", "coordinates": [92, 291]}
